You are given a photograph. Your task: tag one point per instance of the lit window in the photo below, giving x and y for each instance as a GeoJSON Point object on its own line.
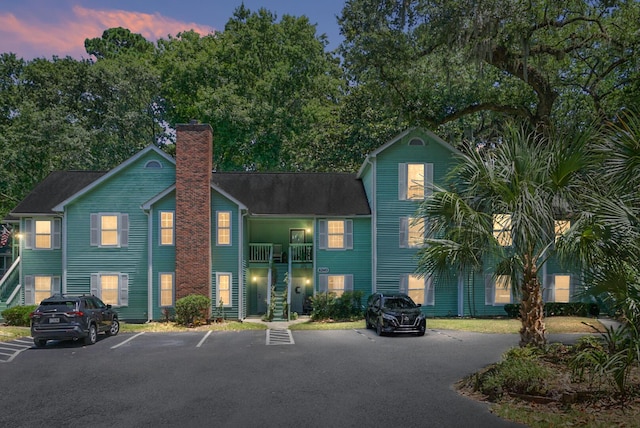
{"type": "Point", "coordinates": [110, 230]}
{"type": "Point", "coordinates": [561, 288]}
{"type": "Point", "coordinates": [502, 229]}
{"type": "Point", "coordinates": [111, 288]}
{"type": "Point", "coordinates": [416, 288]}
{"type": "Point", "coordinates": [415, 235]}
{"type": "Point", "coordinates": [166, 289]}
{"type": "Point", "coordinates": [335, 235]}
{"type": "Point", "coordinates": [415, 181]}
{"type": "Point", "coordinates": [43, 234]}
{"type": "Point", "coordinates": [166, 228]}
{"type": "Point", "coordinates": [224, 228]}
{"type": "Point", "coordinates": [335, 284]}
{"type": "Point", "coordinates": [502, 291]}
{"type": "Point", "coordinates": [561, 227]}
{"type": "Point", "coordinates": [223, 285]}
{"type": "Point", "coordinates": [42, 287]}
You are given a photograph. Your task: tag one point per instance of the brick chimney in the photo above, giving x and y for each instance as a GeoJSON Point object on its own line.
{"type": "Point", "coordinates": [194, 153]}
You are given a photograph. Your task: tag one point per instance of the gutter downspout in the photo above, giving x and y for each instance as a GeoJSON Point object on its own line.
{"type": "Point", "coordinates": [241, 270]}
{"type": "Point", "coordinates": [150, 265]}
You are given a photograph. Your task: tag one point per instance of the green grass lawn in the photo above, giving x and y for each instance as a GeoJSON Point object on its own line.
{"type": "Point", "coordinates": [502, 326]}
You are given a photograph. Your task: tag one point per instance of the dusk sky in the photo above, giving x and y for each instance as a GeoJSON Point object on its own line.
{"type": "Point", "coordinates": [44, 28]}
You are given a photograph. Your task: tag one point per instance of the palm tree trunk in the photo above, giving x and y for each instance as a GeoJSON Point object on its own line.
{"type": "Point", "coordinates": [533, 330]}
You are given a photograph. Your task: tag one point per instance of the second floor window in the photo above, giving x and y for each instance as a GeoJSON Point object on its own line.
{"type": "Point", "coordinates": [110, 230]}
{"type": "Point", "coordinates": [335, 234]}
{"type": "Point", "coordinates": [502, 229]}
{"type": "Point", "coordinates": [415, 180]}
{"type": "Point", "coordinates": [166, 227]}
{"type": "Point", "coordinates": [560, 228]}
{"type": "Point", "coordinates": [42, 234]}
{"type": "Point", "coordinates": [223, 219]}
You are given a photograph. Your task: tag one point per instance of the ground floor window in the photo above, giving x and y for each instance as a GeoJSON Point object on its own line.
{"type": "Point", "coordinates": [498, 290]}
{"type": "Point", "coordinates": [111, 288]}
{"type": "Point", "coordinates": [167, 289]}
{"type": "Point", "coordinates": [420, 289]}
{"type": "Point", "coordinates": [39, 287]}
{"type": "Point", "coordinates": [223, 289]}
{"type": "Point", "coordinates": [336, 284]}
{"type": "Point", "coordinates": [558, 289]}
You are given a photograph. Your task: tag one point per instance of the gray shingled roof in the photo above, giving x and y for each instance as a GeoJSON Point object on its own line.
{"type": "Point", "coordinates": [300, 193]}
{"type": "Point", "coordinates": [55, 188]}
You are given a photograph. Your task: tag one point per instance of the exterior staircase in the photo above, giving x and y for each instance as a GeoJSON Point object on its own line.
{"type": "Point", "coordinates": [280, 293]}
{"type": "Point", "coordinates": [10, 287]}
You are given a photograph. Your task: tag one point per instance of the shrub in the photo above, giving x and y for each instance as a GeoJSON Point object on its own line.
{"type": "Point", "coordinates": [327, 306]}
{"type": "Point", "coordinates": [579, 309]}
{"type": "Point", "coordinates": [18, 315]}
{"type": "Point", "coordinates": [192, 309]}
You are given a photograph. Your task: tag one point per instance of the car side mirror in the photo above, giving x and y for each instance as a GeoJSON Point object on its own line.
{"type": "Point", "coordinates": [419, 304]}
{"type": "Point", "coordinates": [108, 306]}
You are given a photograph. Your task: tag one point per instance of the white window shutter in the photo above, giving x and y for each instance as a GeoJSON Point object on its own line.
{"type": "Point", "coordinates": [95, 289]}
{"type": "Point", "coordinates": [124, 230]}
{"type": "Point", "coordinates": [124, 290]}
{"type": "Point", "coordinates": [323, 283]}
{"type": "Point", "coordinates": [322, 234]}
{"type": "Point", "coordinates": [29, 292]}
{"type": "Point", "coordinates": [57, 226]}
{"type": "Point", "coordinates": [28, 233]}
{"type": "Point", "coordinates": [428, 179]}
{"type": "Point", "coordinates": [429, 297]}
{"type": "Point", "coordinates": [348, 283]}
{"type": "Point", "coordinates": [348, 234]}
{"type": "Point", "coordinates": [95, 230]}
{"type": "Point", "coordinates": [402, 181]}
{"type": "Point", "coordinates": [55, 285]}
{"type": "Point", "coordinates": [488, 289]}
{"type": "Point", "coordinates": [404, 232]}
{"type": "Point", "coordinates": [404, 284]}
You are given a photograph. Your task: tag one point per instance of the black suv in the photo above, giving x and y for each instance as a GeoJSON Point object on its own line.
{"type": "Point", "coordinates": [394, 313]}
{"type": "Point", "coordinates": [65, 317]}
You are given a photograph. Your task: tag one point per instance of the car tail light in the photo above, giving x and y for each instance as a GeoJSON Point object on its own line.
{"type": "Point", "coordinates": [35, 315]}
{"type": "Point", "coordinates": [75, 314]}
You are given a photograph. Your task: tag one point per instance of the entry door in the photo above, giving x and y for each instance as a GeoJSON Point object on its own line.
{"type": "Point", "coordinates": [261, 294]}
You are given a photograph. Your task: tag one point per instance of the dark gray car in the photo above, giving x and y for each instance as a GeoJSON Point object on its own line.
{"type": "Point", "coordinates": [65, 317]}
{"type": "Point", "coordinates": [394, 313]}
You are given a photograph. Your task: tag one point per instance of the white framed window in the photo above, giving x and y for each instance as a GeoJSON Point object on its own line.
{"type": "Point", "coordinates": [111, 288]}
{"type": "Point", "coordinates": [42, 234]}
{"type": "Point", "coordinates": [167, 227]}
{"type": "Point", "coordinates": [223, 289]}
{"type": "Point", "coordinates": [338, 284]}
{"type": "Point", "coordinates": [412, 232]}
{"type": "Point", "coordinates": [420, 289]}
{"type": "Point", "coordinates": [498, 290]}
{"type": "Point", "coordinates": [39, 287]}
{"type": "Point", "coordinates": [415, 181]}
{"type": "Point", "coordinates": [335, 234]}
{"type": "Point", "coordinates": [558, 288]}
{"type": "Point", "coordinates": [109, 230]}
{"type": "Point", "coordinates": [223, 227]}
{"type": "Point", "coordinates": [560, 228]}
{"type": "Point", "coordinates": [502, 229]}
{"type": "Point", "coordinates": [166, 282]}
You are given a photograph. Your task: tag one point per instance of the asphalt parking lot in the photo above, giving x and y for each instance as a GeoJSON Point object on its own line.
{"type": "Point", "coordinates": [349, 378]}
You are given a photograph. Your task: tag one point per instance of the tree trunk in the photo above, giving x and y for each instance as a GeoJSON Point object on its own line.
{"type": "Point", "coordinates": [533, 331]}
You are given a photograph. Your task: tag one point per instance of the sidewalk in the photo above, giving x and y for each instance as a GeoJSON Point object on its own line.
{"type": "Point", "coordinates": [277, 325]}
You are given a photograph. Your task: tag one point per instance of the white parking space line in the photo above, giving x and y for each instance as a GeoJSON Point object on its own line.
{"type": "Point", "coordinates": [127, 341]}
{"type": "Point", "coordinates": [203, 339]}
{"type": "Point", "coordinates": [15, 347]}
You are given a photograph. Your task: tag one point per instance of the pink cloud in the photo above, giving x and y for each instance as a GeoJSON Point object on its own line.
{"type": "Point", "coordinates": [30, 38]}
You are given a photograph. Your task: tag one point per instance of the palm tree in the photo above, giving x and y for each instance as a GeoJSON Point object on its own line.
{"type": "Point", "coordinates": [500, 211]}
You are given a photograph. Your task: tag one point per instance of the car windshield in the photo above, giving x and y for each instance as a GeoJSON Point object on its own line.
{"type": "Point", "coordinates": [398, 303]}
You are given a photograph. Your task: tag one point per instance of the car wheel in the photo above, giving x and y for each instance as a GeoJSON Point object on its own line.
{"type": "Point", "coordinates": [40, 343]}
{"type": "Point", "coordinates": [379, 328]}
{"type": "Point", "coordinates": [114, 329]}
{"type": "Point", "coordinates": [92, 337]}
{"type": "Point", "coordinates": [367, 323]}
{"type": "Point", "coordinates": [423, 328]}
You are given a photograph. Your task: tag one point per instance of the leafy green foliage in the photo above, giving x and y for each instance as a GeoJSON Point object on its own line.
{"type": "Point", "coordinates": [578, 309]}
{"type": "Point", "coordinates": [18, 315]}
{"type": "Point", "coordinates": [327, 306]}
{"type": "Point", "coordinates": [192, 309]}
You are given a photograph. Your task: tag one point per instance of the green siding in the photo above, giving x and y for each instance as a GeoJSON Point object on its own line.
{"type": "Point", "coordinates": [225, 258]}
{"type": "Point", "coordinates": [164, 256]}
{"type": "Point", "coordinates": [124, 192]}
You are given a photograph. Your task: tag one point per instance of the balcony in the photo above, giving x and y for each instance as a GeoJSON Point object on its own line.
{"type": "Point", "coordinates": [269, 252]}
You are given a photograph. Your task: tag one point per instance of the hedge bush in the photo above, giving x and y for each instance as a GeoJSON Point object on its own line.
{"type": "Point", "coordinates": [327, 306]}
{"type": "Point", "coordinates": [192, 309]}
{"type": "Point", "coordinates": [578, 309]}
{"type": "Point", "coordinates": [18, 315]}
